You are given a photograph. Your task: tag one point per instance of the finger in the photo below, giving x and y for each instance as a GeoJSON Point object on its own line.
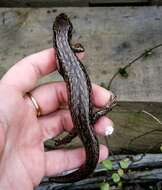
{"type": "Point", "coordinates": [52, 95]}
{"type": "Point", "coordinates": [25, 74]}
{"type": "Point", "coordinates": [49, 97]}
{"type": "Point", "coordinates": [104, 126]}
{"type": "Point", "coordinates": [59, 161]}
{"type": "Point", "coordinates": [100, 96]}
{"type": "Point", "coordinates": [54, 124]}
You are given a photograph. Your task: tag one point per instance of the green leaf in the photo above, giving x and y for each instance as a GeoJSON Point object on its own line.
{"type": "Point", "coordinates": [120, 172]}
{"type": "Point", "coordinates": [115, 177]}
{"type": "Point", "coordinates": [123, 72]}
{"type": "Point", "coordinates": [161, 148]}
{"type": "Point", "coordinates": [107, 164]}
{"type": "Point", "coordinates": [120, 184]}
{"type": "Point", "coordinates": [124, 163]}
{"type": "Point", "coordinates": [104, 186]}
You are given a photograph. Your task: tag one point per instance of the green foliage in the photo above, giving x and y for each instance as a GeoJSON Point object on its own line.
{"type": "Point", "coordinates": [115, 177]}
{"type": "Point", "coordinates": [105, 186]}
{"type": "Point", "coordinates": [120, 184]}
{"type": "Point", "coordinates": [161, 148]}
{"type": "Point", "coordinates": [120, 172]}
{"type": "Point", "coordinates": [123, 72]}
{"type": "Point", "coordinates": [107, 164]}
{"type": "Point", "coordinates": [124, 163]}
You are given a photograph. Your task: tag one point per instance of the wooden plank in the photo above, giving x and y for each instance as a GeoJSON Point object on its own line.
{"type": "Point", "coordinates": [156, 2]}
{"type": "Point", "coordinates": [43, 3]}
{"type": "Point", "coordinates": [75, 3]}
{"type": "Point", "coordinates": [112, 37]}
{"type": "Point", "coordinates": [118, 1]}
{"type": "Point", "coordinates": [124, 2]}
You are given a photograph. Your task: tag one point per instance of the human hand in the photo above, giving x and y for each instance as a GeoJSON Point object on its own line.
{"type": "Point", "coordinates": [23, 161]}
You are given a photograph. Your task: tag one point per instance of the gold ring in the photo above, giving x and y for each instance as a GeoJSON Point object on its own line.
{"type": "Point", "coordinates": [35, 103]}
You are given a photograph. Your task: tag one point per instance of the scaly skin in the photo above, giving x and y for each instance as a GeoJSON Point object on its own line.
{"type": "Point", "coordinates": [79, 93]}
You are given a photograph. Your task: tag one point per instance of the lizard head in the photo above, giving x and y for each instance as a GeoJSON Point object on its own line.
{"type": "Point", "coordinates": [63, 24]}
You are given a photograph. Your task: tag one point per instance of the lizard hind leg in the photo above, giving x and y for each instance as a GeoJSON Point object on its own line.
{"type": "Point", "coordinates": [77, 48]}
{"type": "Point", "coordinates": [104, 110]}
{"type": "Point", "coordinates": [54, 143]}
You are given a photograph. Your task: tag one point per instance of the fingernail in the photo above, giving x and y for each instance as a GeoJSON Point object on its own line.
{"type": "Point", "coordinates": [109, 130]}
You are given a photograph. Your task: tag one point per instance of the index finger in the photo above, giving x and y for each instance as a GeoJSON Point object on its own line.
{"type": "Point", "coordinates": [25, 74]}
{"type": "Point", "coordinates": [58, 161]}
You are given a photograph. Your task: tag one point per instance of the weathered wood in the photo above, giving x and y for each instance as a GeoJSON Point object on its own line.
{"type": "Point", "coordinates": [156, 2]}
{"type": "Point", "coordinates": [137, 172]}
{"type": "Point", "coordinates": [43, 3]}
{"type": "Point", "coordinates": [138, 161]}
{"type": "Point", "coordinates": [147, 176]}
{"type": "Point", "coordinates": [75, 3]}
{"type": "Point", "coordinates": [125, 2]}
{"type": "Point", "coordinates": [112, 37]}
{"type": "Point", "coordinates": [117, 1]}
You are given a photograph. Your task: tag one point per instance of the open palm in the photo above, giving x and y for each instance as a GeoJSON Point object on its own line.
{"type": "Point", "coordinates": [23, 160]}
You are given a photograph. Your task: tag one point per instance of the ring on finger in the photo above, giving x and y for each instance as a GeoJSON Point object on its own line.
{"type": "Point", "coordinates": [35, 104]}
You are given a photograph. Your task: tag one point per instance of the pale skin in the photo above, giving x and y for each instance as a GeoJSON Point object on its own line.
{"type": "Point", "coordinates": [23, 162]}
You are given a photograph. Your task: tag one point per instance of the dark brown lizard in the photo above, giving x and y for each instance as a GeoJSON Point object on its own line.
{"type": "Point", "coordinates": [79, 91]}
